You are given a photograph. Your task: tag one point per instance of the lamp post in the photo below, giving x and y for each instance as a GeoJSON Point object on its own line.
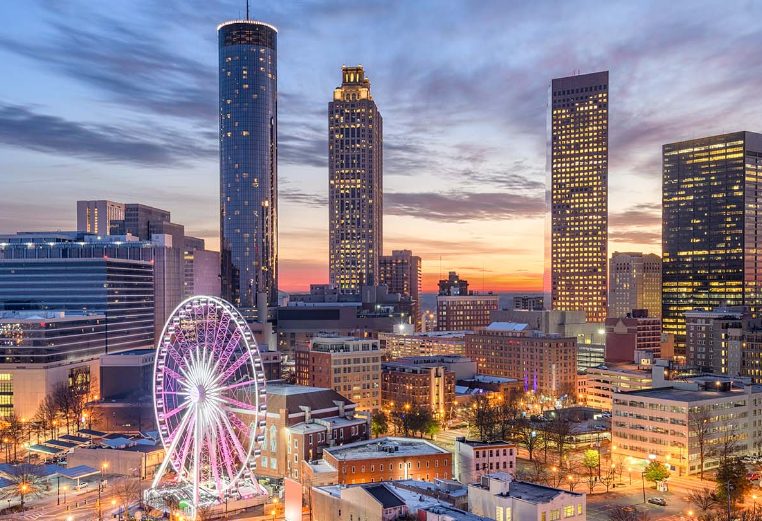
{"type": "Point", "coordinates": [23, 489]}
{"type": "Point", "coordinates": [104, 466]}
{"type": "Point", "coordinates": [58, 490]}
{"type": "Point", "coordinates": [643, 479]}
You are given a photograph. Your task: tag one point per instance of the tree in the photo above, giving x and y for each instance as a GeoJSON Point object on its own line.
{"type": "Point", "coordinates": [379, 423]}
{"type": "Point", "coordinates": [480, 417]}
{"type": "Point", "coordinates": [47, 414]}
{"type": "Point", "coordinates": [560, 431]}
{"type": "Point", "coordinates": [127, 491]}
{"type": "Point", "coordinates": [14, 432]}
{"type": "Point", "coordinates": [628, 513]}
{"type": "Point", "coordinates": [731, 481]}
{"type": "Point", "coordinates": [25, 481]}
{"type": "Point", "coordinates": [526, 436]}
{"type": "Point", "coordinates": [656, 471]}
{"type": "Point", "coordinates": [705, 502]}
{"type": "Point", "coordinates": [699, 427]}
{"type": "Point", "coordinates": [590, 460]}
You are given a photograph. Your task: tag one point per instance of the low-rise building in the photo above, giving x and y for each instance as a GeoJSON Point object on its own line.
{"type": "Point", "coordinates": [430, 343]}
{"type": "Point", "coordinates": [498, 496]}
{"type": "Point", "coordinates": [121, 456]}
{"type": "Point", "coordinates": [350, 366]}
{"type": "Point", "coordinates": [388, 459]}
{"type": "Point", "coordinates": [603, 381]}
{"type": "Point", "coordinates": [301, 422]}
{"type": "Point", "coordinates": [474, 459]}
{"type": "Point", "coordinates": [671, 423]}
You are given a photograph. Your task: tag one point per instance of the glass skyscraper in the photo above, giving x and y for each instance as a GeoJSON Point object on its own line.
{"type": "Point", "coordinates": [248, 162]}
{"type": "Point", "coordinates": [355, 191]}
{"type": "Point", "coordinates": [579, 148]}
{"type": "Point", "coordinates": [711, 227]}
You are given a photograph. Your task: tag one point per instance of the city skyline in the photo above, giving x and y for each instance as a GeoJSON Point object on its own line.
{"type": "Point", "coordinates": [143, 127]}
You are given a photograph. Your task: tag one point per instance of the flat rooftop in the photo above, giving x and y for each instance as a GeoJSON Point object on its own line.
{"type": "Point", "coordinates": [390, 447]}
{"type": "Point", "coordinates": [495, 443]}
{"type": "Point", "coordinates": [283, 389]}
{"type": "Point", "coordinates": [688, 395]}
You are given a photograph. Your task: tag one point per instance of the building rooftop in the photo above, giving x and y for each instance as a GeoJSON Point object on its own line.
{"type": "Point", "coordinates": [531, 492]}
{"type": "Point", "coordinates": [384, 448]}
{"type": "Point", "coordinates": [689, 395]}
{"type": "Point", "coordinates": [454, 514]}
{"type": "Point", "coordinates": [507, 326]}
{"type": "Point", "coordinates": [429, 334]}
{"type": "Point", "coordinates": [384, 495]}
{"type": "Point", "coordinates": [293, 397]}
{"type": "Point", "coordinates": [478, 443]}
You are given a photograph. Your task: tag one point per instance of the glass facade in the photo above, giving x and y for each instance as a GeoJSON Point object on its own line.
{"type": "Point", "coordinates": [355, 191]}
{"type": "Point", "coordinates": [248, 162]}
{"type": "Point", "coordinates": [116, 281]}
{"type": "Point", "coordinates": [54, 339]}
{"type": "Point", "coordinates": [711, 200]}
{"type": "Point", "coordinates": [579, 194]}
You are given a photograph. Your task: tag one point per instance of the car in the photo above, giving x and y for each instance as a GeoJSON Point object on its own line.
{"type": "Point", "coordinates": [752, 476]}
{"type": "Point", "coordinates": [658, 501]}
{"type": "Point", "coordinates": [81, 485]}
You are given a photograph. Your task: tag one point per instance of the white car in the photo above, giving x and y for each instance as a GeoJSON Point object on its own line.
{"type": "Point", "coordinates": [81, 486]}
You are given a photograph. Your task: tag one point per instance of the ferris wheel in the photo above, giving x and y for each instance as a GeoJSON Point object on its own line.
{"type": "Point", "coordinates": [209, 396]}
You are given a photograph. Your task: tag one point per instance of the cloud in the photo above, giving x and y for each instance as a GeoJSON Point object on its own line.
{"type": "Point", "coordinates": [641, 215]}
{"type": "Point", "coordinates": [25, 128]}
{"type": "Point", "coordinates": [463, 206]}
{"type": "Point", "coordinates": [635, 237]}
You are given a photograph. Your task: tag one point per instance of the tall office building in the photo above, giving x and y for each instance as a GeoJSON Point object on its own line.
{"type": "Point", "coordinates": [98, 216]}
{"type": "Point", "coordinates": [401, 273]}
{"type": "Point", "coordinates": [712, 214]}
{"type": "Point", "coordinates": [579, 193]}
{"type": "Point", "coordinates": [248, 163]}
{"type": "Point", "coordinates": [634, 283]}
{"type": "Point", "coordinates": [355, 192]}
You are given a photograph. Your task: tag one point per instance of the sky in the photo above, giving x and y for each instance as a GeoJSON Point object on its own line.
{"type": "Point", "coordinates": [118, 100]}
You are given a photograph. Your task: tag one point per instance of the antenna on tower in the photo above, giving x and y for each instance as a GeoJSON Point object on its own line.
{"type": "Point", "coordinates": [247, 9]}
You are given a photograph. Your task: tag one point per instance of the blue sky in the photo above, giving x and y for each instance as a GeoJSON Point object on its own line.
{"type": "Point", "coordinates": [118, 100]}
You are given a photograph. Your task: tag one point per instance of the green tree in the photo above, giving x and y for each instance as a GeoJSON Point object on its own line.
{"type": "Point", "coordinates": [731, 479]}
{"type": "Point", "coordinates": [590, 460]}
{"type": "Point", "coordinates": [379, 423]}
{"type": "Point", "coordinates": [656, 471]}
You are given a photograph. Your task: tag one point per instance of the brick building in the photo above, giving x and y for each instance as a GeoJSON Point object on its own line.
{"type": "Point", "coordinates": [464, 312]}
{"type": "Point", "coordinates": [387, 459]}
{"type": "Point", "coordinates": [301, 422]}
{"type": "Point", "coordinates": [627, 335]}
{"type": "Point", "coordinates": [418, 383]}
{"type": "Point", "coordinates": [545, 364]}
{"type": "Point", "coordinates": [350, 366]}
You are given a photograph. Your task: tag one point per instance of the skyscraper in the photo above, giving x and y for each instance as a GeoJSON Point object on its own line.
{"type": "Point", "coordinates": [248, 162]}
{"type": "Point", "coordinates": [634, 283]}
{"type": "Point", "coordinates": [355, 192]}
{"type": "Point", "coordinates": [98, 216]}
{"type": "Point", "coordinates": [712, 214]}
{"type": "Point", "coordinates": [401, 272]}
{"type": "Point", "coordinates": [579, 193]}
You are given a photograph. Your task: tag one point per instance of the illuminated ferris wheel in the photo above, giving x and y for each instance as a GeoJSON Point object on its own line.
{"type": "Point", "coordinates": [209, 396]}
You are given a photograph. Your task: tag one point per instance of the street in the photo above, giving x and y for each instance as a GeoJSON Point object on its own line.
{"type": "Point", "coordinates": [77, 506]}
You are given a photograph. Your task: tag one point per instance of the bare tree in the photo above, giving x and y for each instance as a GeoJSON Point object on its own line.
{"type": "Point", "coordinates": [127, 491]}
{"type": "Point", "coordinates": [47, 415]}
{"type": "Point", "coordinates": [14, 432]}
{"type": "Point", "coordinates": [560, 431]}
{"type": "Point", "coordinates": [704, 500]}
{"type": "Point", "coordinates": [26, 481]}
{"type": "Point", "coordinates": [699, 428]}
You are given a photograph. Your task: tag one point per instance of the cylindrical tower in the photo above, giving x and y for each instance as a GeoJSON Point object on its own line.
{"type": "Point", "coordinates": [248, 162]}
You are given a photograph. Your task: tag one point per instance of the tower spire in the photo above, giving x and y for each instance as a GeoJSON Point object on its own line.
{"type": "Point", "coordinates": [247, 9]}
